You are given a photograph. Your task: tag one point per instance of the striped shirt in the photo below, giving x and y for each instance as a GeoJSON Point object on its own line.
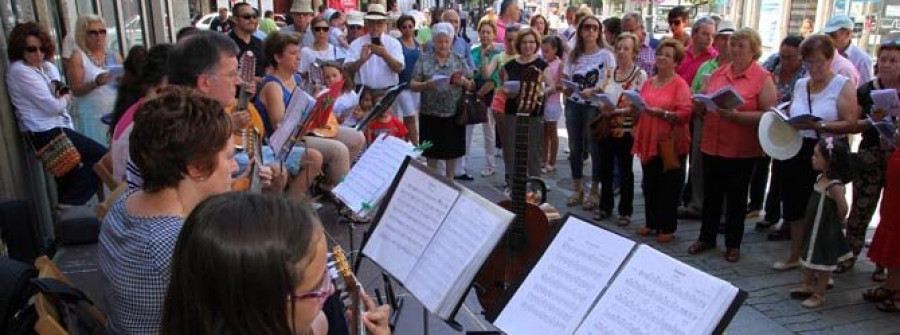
{"type": "Point", "coordinates": [135, 255]}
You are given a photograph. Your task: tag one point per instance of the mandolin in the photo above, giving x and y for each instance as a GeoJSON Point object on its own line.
{"type": "Point", "coordinates": [530, 230]}
{"type": "Point", "coordinates": [353, 288]}
{"type": "Point", "coordinates": [246, 69]}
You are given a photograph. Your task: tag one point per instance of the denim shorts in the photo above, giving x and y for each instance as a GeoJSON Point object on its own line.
{"type": "Point", "coordinates": [292, 163]}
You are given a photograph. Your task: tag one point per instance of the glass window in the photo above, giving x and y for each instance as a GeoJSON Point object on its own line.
{"type": "Point", "coordinates": [108, 12]}
{"type": "Point", "coordinates": [133, 25]}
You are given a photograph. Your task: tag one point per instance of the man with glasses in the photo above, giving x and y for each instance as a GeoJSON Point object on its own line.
{"type": "Point", "coordinates": [302, 14]}
{"type": "Point", "coordinates": [840, 29]}
{"type": "Point", "coordinates": [375, 59]}
{"type": "Point", "coordinates": [245, 20]}
{"type": "Point", "coordinates": [355, 26]}
{"type": "Point", "coordinates": [679, 19]}
{"type": "Point", "coordinates": [633, 23]}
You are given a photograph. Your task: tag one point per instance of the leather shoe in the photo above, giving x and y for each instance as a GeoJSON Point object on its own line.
{"type": "Point", "coordinates": [466, 177]}
{"type": "Point", "coordinates": [732, 254]}
{"type": "Point", "coordinates": [699, 247]}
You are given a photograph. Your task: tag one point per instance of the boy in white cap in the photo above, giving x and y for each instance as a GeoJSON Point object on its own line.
{"type": "Point", "coordinates": [840, 28]}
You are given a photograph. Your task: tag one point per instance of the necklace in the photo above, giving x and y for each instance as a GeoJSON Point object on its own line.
{"type": "Point", "coordinates": [101, 63]}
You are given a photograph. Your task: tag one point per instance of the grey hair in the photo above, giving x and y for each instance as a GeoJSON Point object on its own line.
{"type": "Point", "coordinates": [443, 28]}
{"type": "Point", "coordinates": [446, 13]}
{"type": "Point", "coordinates": [636, 16]}
{"type": "Point", "coordinates": [703, 20]}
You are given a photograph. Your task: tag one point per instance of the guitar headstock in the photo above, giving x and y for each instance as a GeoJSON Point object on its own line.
{"type": "Point", "coordinates": [247, 66]}
{"type": "Point", "coordinates": [343, 267]}
{"type": "Point", "coordinates": [531, 91]}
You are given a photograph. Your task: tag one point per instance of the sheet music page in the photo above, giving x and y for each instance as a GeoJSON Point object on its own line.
{"type": "Point", "coordinates": [887, 100]}
{"type": "Point", "coordinates": [293, 116]}
{"type": "Point", "coordinates": [469, 233]}
{"type": "Point", "coordinates": [371, 176]}
{"type": "Point", "coordinates": [656, 294]}
{"type": "Point", "coordinates": [558, 292]}
{"type": "Point", "coordinates": [418, 206]}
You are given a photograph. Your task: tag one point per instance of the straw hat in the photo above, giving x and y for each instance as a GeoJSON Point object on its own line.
{"type": "Point", "coordinates": [777, 138]}
{"type": "Point", "coordinates": [301, 6]}
{"type": "Point", "coordinates": [376, 11]}
{"type": "Point", "coordinates": [355, 18]}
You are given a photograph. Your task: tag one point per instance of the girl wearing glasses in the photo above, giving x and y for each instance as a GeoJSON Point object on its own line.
{"type": "Point", "coordinates": [248, 263]}
{"type": "Point", "coordinates": [90, 77]}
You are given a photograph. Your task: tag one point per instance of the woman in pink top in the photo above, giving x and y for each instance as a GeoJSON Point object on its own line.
{"type": "Point", "coordinates": [730, 143]}
{"type": "Point", "coordinates": [668, 100]}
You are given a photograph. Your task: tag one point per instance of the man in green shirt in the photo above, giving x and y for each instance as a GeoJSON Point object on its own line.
{"type": "Point", "coordinates": [267, 24]}
{"type": "Point", "coordinates": [695, 175]}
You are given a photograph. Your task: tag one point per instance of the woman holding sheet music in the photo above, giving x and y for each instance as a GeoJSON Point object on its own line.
{"type": "Point", "coordinates": [662, 140]}
{"type": "Point", "coordinates": [282, 52]}
{"type": "Point", "coordinates": [873, 154]}
{"type": "Point", "coordinates": [730, 144]}
{"type": "Point", "coordinates": [437, 122]}
{"type": "Point", "coordinates": [831, 97]}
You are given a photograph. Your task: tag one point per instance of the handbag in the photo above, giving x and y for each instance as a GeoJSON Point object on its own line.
{"type": "Point", "coordinates": [470, 110]}
{"type": "Point", "coordinates": [667, 153]}
{"type": "Point", "coordinates": [59, 156]}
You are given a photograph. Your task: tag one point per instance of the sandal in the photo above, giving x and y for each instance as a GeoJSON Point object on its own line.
{"type": "Point", "coordinates": [877, 294]}
{"type": "Point", "coordinates": [889, 305]}
{"type": "Point", "coordinates": [644, 231]}
{"type": "Point", "coordinates": [845, 266]}
{"type": "Point", "coordinates": [814, 301]}
{"type": "Point", "coordinates": [732, 255]}
{"type": "Point", "coordinates": [591, 202]}
{"type": "Point", "coordinates": [575, 199]}
{"type": "Point", "coordinates": [624, 220]}
{"type": "Point", "coordinates": [603, 215]}
{"type": "Point", "coordinates": [878, 275]}
{"type": "Point", "coordinates": [664, 238]}
{"type": "Point", "coordinates": [802, 292]}
{"type": "Point", "coordinates": [699, 247]}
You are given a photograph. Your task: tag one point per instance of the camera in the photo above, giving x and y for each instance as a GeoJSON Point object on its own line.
{"type": "Point", "coordinates": [60, 88]}
{"type": "Point", "coordinates": [376, 40]}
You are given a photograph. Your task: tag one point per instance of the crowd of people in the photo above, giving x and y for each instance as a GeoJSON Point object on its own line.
{"type": "Point", "coordinates": [171, 123]}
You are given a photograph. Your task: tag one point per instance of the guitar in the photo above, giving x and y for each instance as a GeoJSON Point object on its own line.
{"type": "Point", "coordinates": [253, 146]}
{"type": "Point", "coordinates": [247, 69]}
{"type": "Point", "coordinates": [530, 230]}
{"type": "Point", "coordinates": [353, 288]}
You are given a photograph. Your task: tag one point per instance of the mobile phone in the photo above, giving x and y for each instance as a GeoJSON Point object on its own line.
{"type": "Point", "coordinates": [376, 40]}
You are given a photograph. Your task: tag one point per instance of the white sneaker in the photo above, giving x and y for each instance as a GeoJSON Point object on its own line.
{"type": "Point", "coordinates": [487, 172]}
{"type": "Point", "coordinates": [784, 266]}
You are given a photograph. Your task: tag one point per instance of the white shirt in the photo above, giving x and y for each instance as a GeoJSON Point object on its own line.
{"type": "Point", "coordinates": [308, 56]}
{"type": "Point", "coordinates": [375, 72]}
{"type": "Point", "coordinates": [30, 91]}
{"type": "Point", "coordinates": [824, 103]}
{"type": "Point", "coordinates": [861, 62]}
{"type": "Point", "coordinates": [590, 70]}
{"type": "Point", "coordinates": [306, 38]}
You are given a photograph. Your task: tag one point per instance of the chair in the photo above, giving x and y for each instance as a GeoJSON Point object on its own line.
{"type": "Point", "coordinates": [48, 317]}
{"type": "Point", "coordinates": [102, 208]}
{"type": "Point", "coordinates": [104, 170]}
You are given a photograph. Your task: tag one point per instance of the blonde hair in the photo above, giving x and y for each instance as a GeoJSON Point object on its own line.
{"type": "Point", "coordinates": [752, 36]}
{"type": "Point", "coordinates": [633, 38]}
{"type": "Point", "coordinates": [81, 28]}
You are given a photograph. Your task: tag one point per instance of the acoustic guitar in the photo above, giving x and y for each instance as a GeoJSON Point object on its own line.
{"type": "Point", "coordinates": [246, 69]}
{"type": "Point", "coordinates": [530, 230]}
{"type": "Point", "coordinates": [353, 288]}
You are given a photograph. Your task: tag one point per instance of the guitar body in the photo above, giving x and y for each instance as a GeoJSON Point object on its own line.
{"type": "Point", "coordinates": [530, 231]}
{"type": "Point", "coordinates": [255, 123]}
{"type": "Point", "coordinates": [329, 129]}
{"type": "Point", "coordinates": [517, 259]}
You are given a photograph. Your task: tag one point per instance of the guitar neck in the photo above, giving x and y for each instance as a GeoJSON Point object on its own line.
{"type": "Point", "coordinates": [519, 177]}
{"type": "Point", "coordinates": [243, 98]}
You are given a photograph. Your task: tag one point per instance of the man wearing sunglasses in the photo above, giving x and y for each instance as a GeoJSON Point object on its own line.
{"type": "Point", "coordinates": [302, 14]}
{"type": "Point", "coordinates": [246, 20]}
{"type": "Point", "coordinates": [355, 26]}
{"type": "Point", "coordinates": [375, 59]}
{"type": "Point", "coordinates": [679, 19]}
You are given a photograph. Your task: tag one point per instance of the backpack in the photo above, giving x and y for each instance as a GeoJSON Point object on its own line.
{"type": "Point", "coordinates": [15, 290]}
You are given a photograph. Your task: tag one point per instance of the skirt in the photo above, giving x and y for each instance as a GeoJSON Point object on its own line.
{"type": "Point", "coordinates": [447, 138]}
{"type": "Point", "coordinates": [885, 248]}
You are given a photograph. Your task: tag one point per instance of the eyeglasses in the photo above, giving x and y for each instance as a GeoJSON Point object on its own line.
{"type": "Point", "coordinates": [320, 29]}
{"type": "Point", "coordinates": [590, 27]}
{"type": "Point", "coordinates": [325, 290]}
{"type": "Point", "coordinates": [32, 49]}
{"type": "Point", "coordinates": [248, 17]}
{"type": "Point", "coordinates": [354, 27]}
{"type": "Point", "coordinates": [232, 76]}
{"type": "Point", "coordinates": [98, 32]}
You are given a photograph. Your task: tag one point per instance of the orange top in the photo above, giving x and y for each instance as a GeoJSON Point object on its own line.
{"type": "Point", "coordinates": [675, 97]}
{"type": "Point", "coordinates": [729, 139]}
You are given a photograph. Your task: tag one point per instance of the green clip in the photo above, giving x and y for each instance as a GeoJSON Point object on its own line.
{"type": "Point", "coordinates": [366, 205]}
{"type": "Point", "coordinates": [341, 180]}
{"type": "Point", "coordinates": [424, 146]}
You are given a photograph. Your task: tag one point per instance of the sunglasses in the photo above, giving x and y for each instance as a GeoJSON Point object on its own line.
{"type": "Point", "coordinates": [249, 17]}
{"type": "Point", "coordinates": [590, 27]}
{"type": "Point", "coordinates": [354, 27]}
{"type": "Point", "coordinates": [320, 29]}
{"type": "Point", "coordinates": [98, 32]}
{"type": "Point", "coordinates": [33, 49]}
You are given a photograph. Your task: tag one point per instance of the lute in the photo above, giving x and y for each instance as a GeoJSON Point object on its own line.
{"type": "Point", "coordinates": [353, 289]}
{"type": "Point", "coordinates": [247, 70]}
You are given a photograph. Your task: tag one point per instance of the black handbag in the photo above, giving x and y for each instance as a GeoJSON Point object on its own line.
{"type": "Point", "coordinates": [470, 110]}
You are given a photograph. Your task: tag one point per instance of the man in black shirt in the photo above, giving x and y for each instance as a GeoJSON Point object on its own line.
{"type": "Point", "coordinates": [246, 20]}
{"type": "Point", "coordinates": [221, 23]}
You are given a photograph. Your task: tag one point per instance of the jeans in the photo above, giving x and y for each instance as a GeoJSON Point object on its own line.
{"type": "Point", "coordinates": [729, 182]}
{"type": "Point", "coordinates": [616, 152]}
{"type": "Point", "coordinates": [577, 118]}
{"type": "Point", "coordinates": [79, 185]}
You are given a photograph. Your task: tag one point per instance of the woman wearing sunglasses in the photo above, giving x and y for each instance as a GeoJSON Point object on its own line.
{"type": "Point", "coordinates": [320, 50]}
{"type": "Point", "coordinates": [89, 75]}
{"type": "Point", "coordinates": [253, 264]}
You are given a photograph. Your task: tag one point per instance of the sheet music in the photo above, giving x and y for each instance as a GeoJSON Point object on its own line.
{"type": "Point", "coordinates": [566, 281]}
{"type": "Point", "coordinates": [469, 233]}
{"type": "Point", "coordinates": [372, 175]}
{"type": "Point", "coordinates": [887, 100]}
{"type": "Point", "coordinates": [656, 294]}
{"type": "Point", "coordinates": [418, 206]}
{"type": "Point", "coordinates": [294, 113]}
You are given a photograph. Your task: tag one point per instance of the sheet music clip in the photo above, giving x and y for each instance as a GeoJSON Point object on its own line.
{"type": "Point", "coordinates": [424, 146]}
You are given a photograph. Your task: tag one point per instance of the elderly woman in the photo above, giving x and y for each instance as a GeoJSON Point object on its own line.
{"type": "Point", "coordinates": [40, 100]}
{"type": "Point", "coordinates": [662, 129]}
{"type": "Point", "coordinates": [831, 97]}
{"type": "Point", "coordinates": [589, 64]}
{"type": "Point", "coordinates": [730, 144]}
{"type": "Point", "coordinates": [482, 54]}
{"type": "Point", "coordinates": [92, 82]}
{"type": "Point", "coordinates": [320, 50]}
{"type": "Point", "coordinates": [786, 69]}
{"type": "Point", "coordinates": [616, 146]}
{"type": "Point", "coordinates": [873, 155]}
{"type": "Point", "coordinates": [437, 123]}
{"type": "Point", "coordinates": [139, 232]}
{"type": "Point", "coordinates": [282, 52]}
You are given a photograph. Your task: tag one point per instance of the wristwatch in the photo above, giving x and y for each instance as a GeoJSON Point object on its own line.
{"type": "Point", "coordinates": [822, 126]}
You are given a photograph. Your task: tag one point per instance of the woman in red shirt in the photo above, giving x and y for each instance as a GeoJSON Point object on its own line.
{"type": "Point", "coordinates": [730, 143]}
{"type": "Point", "coordinates": [659, 126]}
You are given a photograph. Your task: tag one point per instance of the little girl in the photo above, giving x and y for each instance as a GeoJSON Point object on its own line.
{"type": "Point", "coordinates": [824, 244]}
{"type": "Point", "coordinates": [386, 123]}
{"type": "Point", "coordinates": [552, 49]}
{"type": "Point", "coordinates": [344, 105]}
{"type": "Point", "coordinates": [358, 113]}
